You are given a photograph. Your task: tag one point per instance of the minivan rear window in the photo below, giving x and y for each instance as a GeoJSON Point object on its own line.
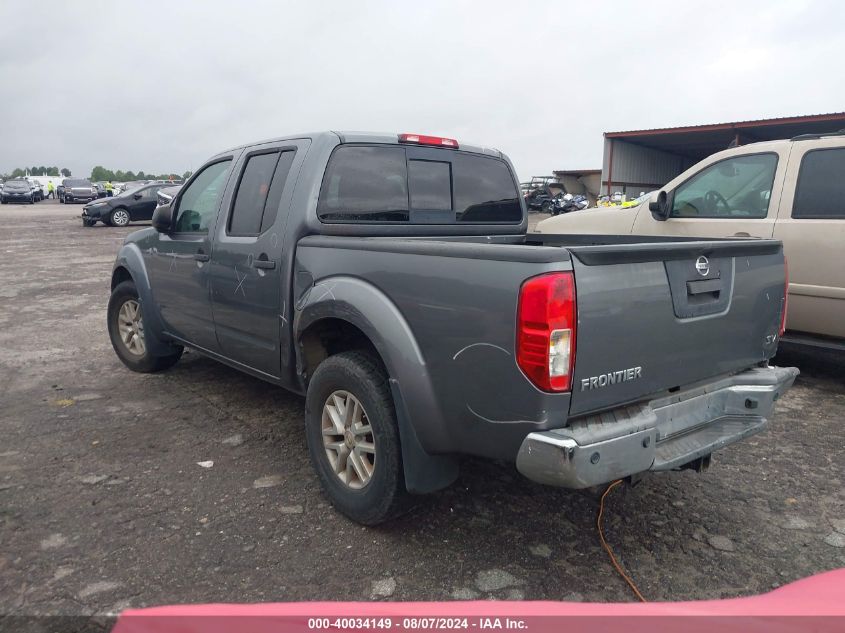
{"type": "Point", "coordinates": [380, 183]}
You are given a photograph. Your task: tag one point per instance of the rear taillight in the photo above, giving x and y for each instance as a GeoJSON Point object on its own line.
{"type": "Point", "coordinates": [420, 139]}
{"type": "Point", "coordinates": [545, 340]}
{"type": "Point", "coordinates": [785, 297]}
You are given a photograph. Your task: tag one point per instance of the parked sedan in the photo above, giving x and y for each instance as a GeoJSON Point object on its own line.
{"type": "Point", "coordinates": [130, 206]}
{"type": "Point", "coordinates": [18, 191]}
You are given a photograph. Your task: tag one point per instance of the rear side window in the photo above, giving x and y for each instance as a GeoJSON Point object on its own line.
{"type": "Point", "coordinates": [248, 207]}
{"type": "Point", "coordinates": [381, 184]}
{"type": "Point", "coordinates": [820, 192]}
{"type": "Point", "coordinates": [274, 197]}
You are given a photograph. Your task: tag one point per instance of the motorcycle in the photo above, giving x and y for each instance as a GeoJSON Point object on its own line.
{"type": "Point", "coordinates": [566, 203]}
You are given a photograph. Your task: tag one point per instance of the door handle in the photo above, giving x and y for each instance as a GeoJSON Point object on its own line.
{"type": "Point", "coordinates": [201, 257]}
{"type": "Point", "coordinates": [742, 234]}
{"type": "Point", "coordinates": [264, 263]}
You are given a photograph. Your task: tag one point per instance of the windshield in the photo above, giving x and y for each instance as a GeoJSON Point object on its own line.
{"type": "Point", "coordinates": [17, 184]}
{"type": "Point", "coordinates": [77, 183]}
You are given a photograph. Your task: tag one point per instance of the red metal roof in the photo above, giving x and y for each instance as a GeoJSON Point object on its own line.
{"type": "Point", "coordinates": [575, 172]}
{"type": "Point", "coordinates": [735, 125]}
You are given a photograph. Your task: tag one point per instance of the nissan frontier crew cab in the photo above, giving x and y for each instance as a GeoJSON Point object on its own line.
{"type": "Point", "coordinates": [390, 279]}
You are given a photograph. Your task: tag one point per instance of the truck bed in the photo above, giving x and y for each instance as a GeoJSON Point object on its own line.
{"type": "Point", "coordinates": [641, 307]}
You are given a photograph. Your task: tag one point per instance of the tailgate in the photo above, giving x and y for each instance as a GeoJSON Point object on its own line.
{"type": "Point", "coordinates": [656, 316]}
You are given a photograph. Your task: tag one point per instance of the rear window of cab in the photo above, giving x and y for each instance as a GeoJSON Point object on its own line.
{"type": "Point", "coordinates": [387, 183]}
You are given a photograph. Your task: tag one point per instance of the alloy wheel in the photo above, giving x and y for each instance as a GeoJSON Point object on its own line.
{"type": "Point", "coordinates": [348, 439]}
{"type": "Point", "coordinates": [130, 325]}
{"type": "Point", "coordinates": [120, 217]}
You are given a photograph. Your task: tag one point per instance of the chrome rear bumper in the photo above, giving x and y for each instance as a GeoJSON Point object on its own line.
{"type": "Point", "coordinates": [662, 434]}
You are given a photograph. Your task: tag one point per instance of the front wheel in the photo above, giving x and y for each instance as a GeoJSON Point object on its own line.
{"type": "Point", "coordinates": [89, 223]}
{"type": "Point", "coordinates": [126, 331]}
{"type": "Point", "coordinates": [353, 438]}
{"type": "Point", "coordinates": [119, 217]}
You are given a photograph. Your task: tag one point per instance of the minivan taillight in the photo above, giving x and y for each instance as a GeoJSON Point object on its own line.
{"type": "Point", "coordinates": [785, 297]}
{"type": "Point", "coordinates": [545, 339]}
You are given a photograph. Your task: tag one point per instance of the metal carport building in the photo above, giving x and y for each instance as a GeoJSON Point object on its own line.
{"type": "Point", "coordinates": [642, 160]}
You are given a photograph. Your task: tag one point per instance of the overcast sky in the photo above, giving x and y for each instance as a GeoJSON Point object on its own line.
{"type": "Point", "coordinates": [162, 86]}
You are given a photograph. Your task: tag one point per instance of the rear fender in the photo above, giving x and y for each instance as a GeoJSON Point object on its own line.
{"type": "Point", "coordinates": [420, 419]}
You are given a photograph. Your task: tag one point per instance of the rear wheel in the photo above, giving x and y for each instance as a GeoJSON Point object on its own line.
{"type": "Point", "coordinates": [119, 217]}
{"type": "Point", "coordinates": [546, 206]}
{"type": "Point", "coordinates": [126, 331]}
{"type": "Point", "coordinates": [353, 438]}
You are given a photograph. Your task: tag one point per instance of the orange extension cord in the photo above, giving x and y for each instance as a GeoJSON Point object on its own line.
{"type": "Point", "coordinates": [607, 547]}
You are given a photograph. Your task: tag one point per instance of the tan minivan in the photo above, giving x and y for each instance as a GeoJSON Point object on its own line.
{"type": "Point", "coordinates": [792, 190]}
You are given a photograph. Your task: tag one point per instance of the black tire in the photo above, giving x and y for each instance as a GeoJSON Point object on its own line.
{"type": "Point", "coordinates": [384, 497]}
{"type": "Point", "coordinates": [89, 223]}
{"type": "Point", "coordinates": [146, 362]}
{"type": "Point", "coordinates": [113, 222]}
{"type": "Point", "coordinates": [546, 206]}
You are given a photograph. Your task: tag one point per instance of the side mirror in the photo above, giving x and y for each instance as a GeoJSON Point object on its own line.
{"type": "Point", "coordinates": [137, 196]}
{"type": "Point", "coordinates": [163, 218]}
{"type": "Point", "coordinates": [658, 204]}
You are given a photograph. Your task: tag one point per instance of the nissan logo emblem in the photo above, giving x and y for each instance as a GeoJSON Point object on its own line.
{"type": "Point", "coordinates": [702, 265]}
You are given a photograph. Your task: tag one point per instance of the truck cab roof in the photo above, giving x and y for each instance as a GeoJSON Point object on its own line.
{"type": "Point", "coordinates": [382, 138]}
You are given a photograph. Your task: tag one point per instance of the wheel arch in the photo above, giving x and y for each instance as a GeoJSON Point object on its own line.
{"type": "Point", "coordinates": [342, 313]}
{"type": "Point", "coordinates": [130, 266]}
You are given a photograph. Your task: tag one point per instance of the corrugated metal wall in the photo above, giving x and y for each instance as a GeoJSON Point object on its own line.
{"type": "Point", "coordinates": [637, 168]}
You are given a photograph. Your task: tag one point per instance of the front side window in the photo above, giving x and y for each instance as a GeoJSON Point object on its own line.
{"type": "Point", "coordinates": [200, 200]}
{"type": "Point", "coordinates": [734, 188]}
{"type": "Point", "coordinates": [820, 192]}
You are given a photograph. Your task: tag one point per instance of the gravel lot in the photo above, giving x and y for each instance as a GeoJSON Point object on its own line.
{"type": "Point", "coordinates": [103, 504]}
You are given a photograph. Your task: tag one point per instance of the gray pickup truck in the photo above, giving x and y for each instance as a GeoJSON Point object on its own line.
{"type": "Point", "coordinates": [390, 279]}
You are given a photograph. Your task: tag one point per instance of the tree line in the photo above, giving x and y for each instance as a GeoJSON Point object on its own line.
{"type": "Point", "coordinates": [20, 172]}
{"type": "Point", "coordinates": [100, 174]}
